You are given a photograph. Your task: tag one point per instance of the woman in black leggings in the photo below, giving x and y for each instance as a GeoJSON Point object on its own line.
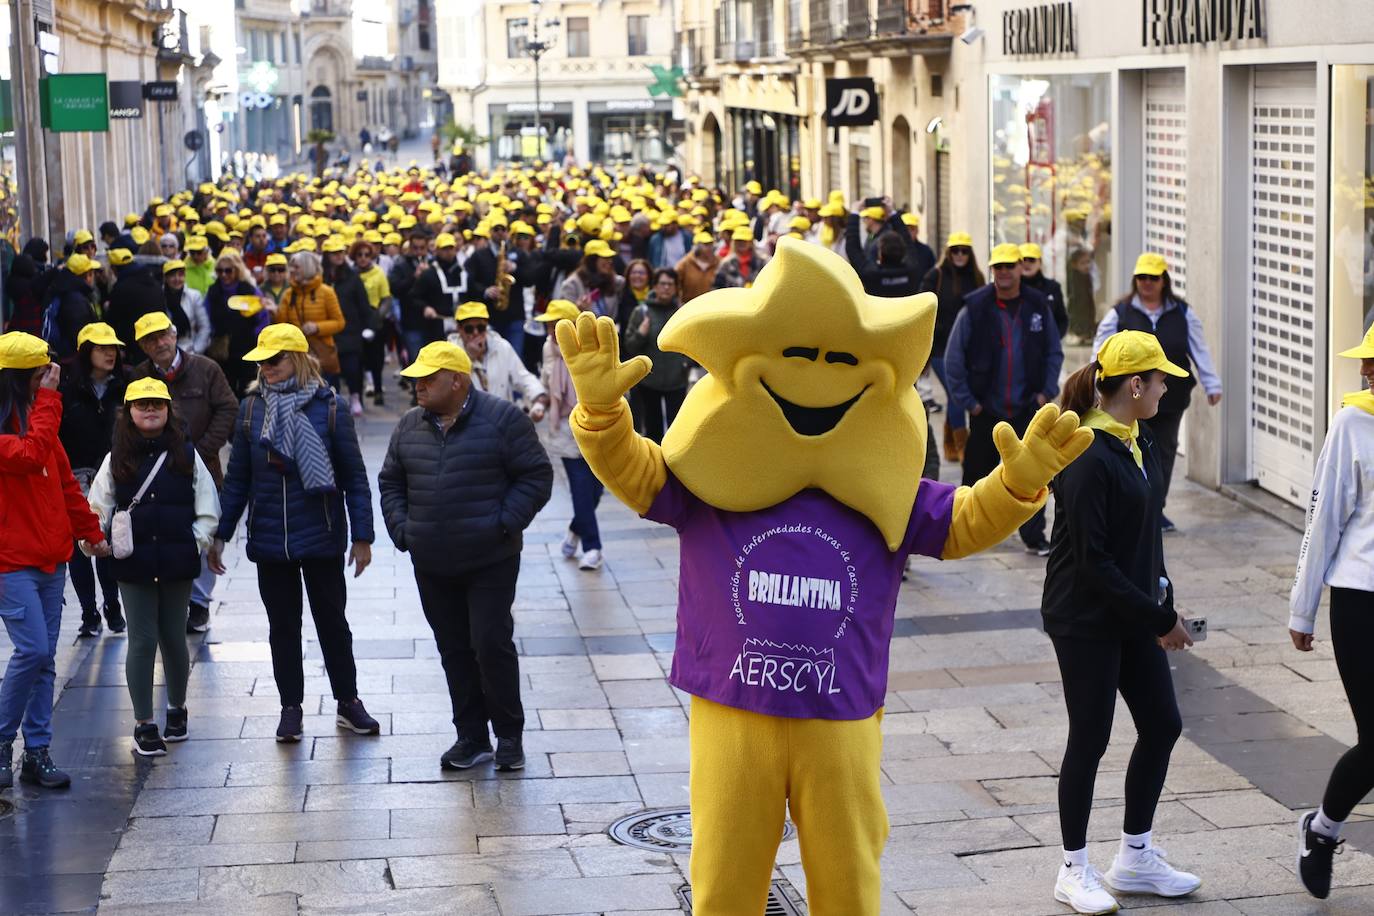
{"type": "Point", "coordinates": [1109, 610]}
{"type": "Point", "coordinates": [1338, 550]}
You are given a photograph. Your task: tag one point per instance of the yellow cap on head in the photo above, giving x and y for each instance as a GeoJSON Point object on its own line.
{"type": "Point", "coordinates": [139, 235]}
{"type": "Point", "coordinates": [446, 240]}
{"type": "Point", "coordinates": [703, 238]}
{"type": "Point", "coordinates": [557, 310]}
{"type": "Point", "coordinates": [99, 333]}
{"type": "Point", "coordinates": [599, 249]}
{"type": "Point", "coordinates": [470, 310]}
{"type": "Point", "coordinates": [277, 338]}
{"type": "Point", "coordinates": [333, 243]}
{"type": "Point", "coordinates": [832, 209]}
{"type": "Point", "coordinates": [147, 389]}
{"type": "Point", "coordinates": [873, 213]}
{"type": "Point", "coordinates": [80, 265]}
{"type": "Point", "coordinates": [959, 240]}
{"type": "Point", "coordinates": [753, 187]}
{"type": "Point", "coordinates": [176, 264]}
{"type": "Point", "coordinates": [1005, 253]}
{"type": "Point", "coordinates": [1151, 265]}
{"type": "Point", "coordinates": [121, 256]}
{"type": "Point", "coordinates": [1030, 250]}
{"type": "Point", "coordinates": [82, 237]}
{"type": "Point", "coordinates": [742, 234]}
{"type": "Point", "coordinates": [910, 219]}
{"type": "Point", "coordinates": [19, 350]}
{"type": "Point", "coordinates": [151, 323]}
{"type": "Point", "coordinates": [1365, 350]}
{"type": "Point", "coordinates": [276, 259]}
{"type": "Point", "coordinates": [196, 243]}
{"type": "Point", "coordinates": [435, 356]}
{"type": "Point", "coordinates": [1134, 352]}
{"type": "Point", "coordinates": [800, 223]}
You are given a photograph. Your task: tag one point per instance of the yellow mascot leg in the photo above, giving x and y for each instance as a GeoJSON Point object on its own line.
{"type": "Point", "coordinates": [837, 805]}
{"type": "Point", "coordinates": [739, 763]}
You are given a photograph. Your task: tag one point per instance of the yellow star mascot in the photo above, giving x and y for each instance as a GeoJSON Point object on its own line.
{"type": "Point", "coordinates": [793, 478]}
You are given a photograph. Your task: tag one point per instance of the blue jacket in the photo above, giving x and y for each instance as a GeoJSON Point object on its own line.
{"type": "Point", "coordinates": [1003, 367]}
{"type": "Point", "coordinates": [284, 522]}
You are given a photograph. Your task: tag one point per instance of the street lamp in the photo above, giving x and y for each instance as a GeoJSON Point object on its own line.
{"type": "Point", "coordinates": [536, 49]}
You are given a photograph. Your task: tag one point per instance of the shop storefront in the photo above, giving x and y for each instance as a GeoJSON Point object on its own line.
{"type": "Point", "coordinates": [630, 131]}
{"type": "Point", "coordinates": [766, 148]}
{"type": "Point", "coordinates": [513, 134]}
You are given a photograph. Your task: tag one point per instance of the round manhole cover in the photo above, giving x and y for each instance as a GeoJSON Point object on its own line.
{"type": "Point", "coordinates": [667, 829]}
{"type": "Point", "coordinates": [6, 808]}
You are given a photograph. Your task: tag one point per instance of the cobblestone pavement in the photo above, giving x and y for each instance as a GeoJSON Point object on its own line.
{"type": "Point", "coordinates": [232, 822]}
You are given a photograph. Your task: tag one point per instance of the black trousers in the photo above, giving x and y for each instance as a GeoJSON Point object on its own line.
{"type": "Point", "coordinates": [280, 587]}
{"type": "Point", "coordinates": [1165, 427]}
{"type": "Point", "coordinates": [374, 360]}
{"type": "Point", "coordinates": [1352, 630]}
{"type": "Point", "coordinates": [470, 615]}
{"type": "Point", "coordinates": [1093, 671]}
{"type": "Point", "coordinates": [351, 370]}
{"type": "Point", "coordinates": [83, 582]}
{"type": "Point", "coordinates": [657, 408]}
{"type": "Point", "coordinates": [981, 458]}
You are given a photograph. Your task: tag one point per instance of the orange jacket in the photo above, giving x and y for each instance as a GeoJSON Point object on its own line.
{"type": "Point", "coordinates": [692, 281]}
{"type": "Point", "coordinates": [312, 301]}
{"type": "Point", "coordinates": [42, 510]}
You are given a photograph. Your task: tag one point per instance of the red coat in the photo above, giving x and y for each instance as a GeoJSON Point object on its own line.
{"type": "Point", "coordinates": [42, 510]}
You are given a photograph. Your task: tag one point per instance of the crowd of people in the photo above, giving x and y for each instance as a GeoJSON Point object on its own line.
{"type": "Point", "coordinates": [261, 316]}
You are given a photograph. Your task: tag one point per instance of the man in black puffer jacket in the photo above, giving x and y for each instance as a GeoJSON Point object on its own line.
{"type": "Point", "coordinates": [464, 476]}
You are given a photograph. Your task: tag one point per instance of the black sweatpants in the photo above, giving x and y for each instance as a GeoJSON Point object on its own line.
{"type": "Point", "coordinates": [280, 587]}
{"type": "Point", "coordinates": [470, 615]}
{"type": "Point", "coordinates": [1093, 671]}
{"type": "Point", "coordinates": [1165, 427]}
{"type": "Point", "coordinates": [1352, 634]}
{"type": "Point", "coordinates": [657, 408]}
{"type": "Point", "coordinates": [981, 458]}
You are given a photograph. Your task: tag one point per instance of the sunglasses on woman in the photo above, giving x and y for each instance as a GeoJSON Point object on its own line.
{"type": "Point", "coordinates": [961, 249]}
{"type": "Point", "coordinates": [274, 360]}
{"type": "Point", "coordinates": [225, 271]}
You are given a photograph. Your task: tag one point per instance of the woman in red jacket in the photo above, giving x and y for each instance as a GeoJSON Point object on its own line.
{"type": "Point", "coordinates": [42, 512]}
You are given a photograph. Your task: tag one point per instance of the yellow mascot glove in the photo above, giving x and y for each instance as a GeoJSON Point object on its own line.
{"type": "Point", "coordinates": [591, 348]}
{"type": "Point", "coordinates": [1052, 441]}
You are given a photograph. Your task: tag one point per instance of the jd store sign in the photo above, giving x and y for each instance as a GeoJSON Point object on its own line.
{"type": "Point", "coordinates": [70, 102]}
{"type": "Point", "coordinates": [851, 102]}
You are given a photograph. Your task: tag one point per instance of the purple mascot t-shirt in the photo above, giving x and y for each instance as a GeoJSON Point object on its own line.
{"type": "Point", "coordinates": [788, 611]}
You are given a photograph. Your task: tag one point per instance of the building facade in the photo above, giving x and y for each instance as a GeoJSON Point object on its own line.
{"type": "Point", "coordinates": [593, 80]}
{"type": "Point", "coordinates": [398, 68]}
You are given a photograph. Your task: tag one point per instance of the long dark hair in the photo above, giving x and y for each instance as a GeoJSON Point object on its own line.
{"type": "Point", "coordinates": [592, 277]}
{"type": "Point", "coordinates": [83, 362]}
{"type": "Point", "coordinates": [1166, 293]}
{"type": "Point", "coordinates": [947, 268]}
{"type": "Point", "coordinates": [1081, 389]}
{"type": "Point", "coordinates": [15, 399]}
{"type": "Point", "coordinates": [129, 446]}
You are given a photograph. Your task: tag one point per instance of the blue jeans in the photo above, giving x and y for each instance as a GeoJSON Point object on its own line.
{"type": "Point", "coordinates": [413, 341]}
{"type": "Point", "coordinates": [954, 414]}
{"type": "Point", "coordinates": [586, 493]}
{"type": "Point", "coordinates": [514, 333]}
{"type": "Point", "coordinates": [31, 606]}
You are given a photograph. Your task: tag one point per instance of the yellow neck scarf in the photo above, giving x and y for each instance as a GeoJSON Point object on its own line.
{"type": "Point", "coordinates": [1098, 418]}
{"type": "Point", "coordinates": [1361, 399]}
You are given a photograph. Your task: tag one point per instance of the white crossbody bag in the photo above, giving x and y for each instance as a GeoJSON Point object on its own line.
{"type": "Point", "coordinates": [122, 522]}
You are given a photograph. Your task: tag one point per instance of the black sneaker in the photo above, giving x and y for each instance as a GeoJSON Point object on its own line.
{"type": "Point", "coordinates": [1314, 857]}
{"type": "Point", "coordinates": [465, 754]}
{"type": "Point", "coordinates": [1166, 526]}
{"type": "Point", "coordinates": [197, 618]}
{"type": "Point", "coordinates": [1041, 549]}
{"type": "Point", "coordinates": [147, 742]}
{"type": "Point", "coordinates": [114, 618]}
{"type": "Point", "coordinates": [176, 724]}
{"type": "Point", "coordinates": [354, 717]}
{"type": "Point", "coordinates": [378, 399]}
{"type": "Point", "coordinates": [39, 769]}
{"type": "Point", "coordinates": [290, 728]}
{"type": "Point", "coordinates": [90, 627]}
{"type": "Point", "coordinates": [6, 764]}
{"type": "Point", "coordinates": [510, 755]}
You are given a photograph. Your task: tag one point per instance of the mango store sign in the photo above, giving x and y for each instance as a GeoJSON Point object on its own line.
{"type": "Point", "coordinates": [71, 102]}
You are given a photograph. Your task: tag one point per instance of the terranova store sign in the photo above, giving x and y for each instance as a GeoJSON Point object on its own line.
{"type": "Point", "coordinates": [74, 102]}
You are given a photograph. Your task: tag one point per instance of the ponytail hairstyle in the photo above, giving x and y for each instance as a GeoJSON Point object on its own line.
{"type": "Point", "coordinates": [1082, 389]}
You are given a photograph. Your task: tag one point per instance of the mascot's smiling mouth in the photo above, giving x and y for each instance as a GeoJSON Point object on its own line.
{"type": "Point", "coordinates": [811, 421]}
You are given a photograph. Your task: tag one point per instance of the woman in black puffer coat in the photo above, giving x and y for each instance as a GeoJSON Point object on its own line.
{"type": "Point", "coordinates": [951, 280]}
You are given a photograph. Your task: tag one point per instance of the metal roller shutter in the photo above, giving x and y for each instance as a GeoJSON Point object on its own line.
{"type": "Point", "coordinates": [1166, 173]}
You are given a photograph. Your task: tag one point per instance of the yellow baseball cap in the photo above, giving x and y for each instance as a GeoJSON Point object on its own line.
{"type": "Point", "coordinates": [121, 256]}
{"type": "Point", "coordinates": [139, 235]}
{"type": "Point", "coordinates": [910, 219]}
{"type": "Point", "coordinates": [170, 266]}
{"type": "Point", "coordinates": [196, 243]}
{"type": "Point", "coordinates": [99, 333]}
{"type": "Point", "coordinates": [445, 240]}
{"type": "Point", "coordinates": [1365, 350]}
{"type": "Point", "coordinates": [392, 238]}
{"type": "Point", "coordinates": [1031, 250]}
{"type": "Point", "coordinates": [832, 209]}
{"type": "Point", "coordinates": [248, 306]}
{"type": "Point", "coordinates": [959, 240]}
{"type": "Point", "coordinates": [276, 259]}
{"type": "Point", "coordinates": [753, 187]}
{"type": "Point", "coordinates": [557, 310]}
{"type": "Point", "coordinates": [147, 389]}
{"type": "Point", "coordinates": [1134, 352]}
{"type": "Point", "coordinates": [470, 310]}
{"type": "Point", "coordinates": [598, 249]}
{"type": "Point", "coordinates": [435, 356]}
{"type": "Point", "coordinates": [1151, 265]}
{"type": "Point", "coordinates": [873, 213]}
{"type": "Point", "coordinates": [800, 223]}
{"type": "Point", "coordinates": [742, 234]}
{"type": "Point", "coordinates": [151, 323]}
{"type": "Point", "coordinates": [82, 237]}
{"type": "Point", "coordinates": [277, 338]}
{"type": "Point", "coordinates": [703, 238]}
{"type": "Point", "coordinates": [80, 265]}
{"type": "Point", "coordinates": [334, 243]}
{"type": "Point", "coordinates": [22, 351]}
{"type": "Point", "coordinates": [1005, 253]}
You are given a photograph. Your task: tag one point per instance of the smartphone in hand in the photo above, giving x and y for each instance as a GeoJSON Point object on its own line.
{"type": "Point", "coordinates": [1197, 628]}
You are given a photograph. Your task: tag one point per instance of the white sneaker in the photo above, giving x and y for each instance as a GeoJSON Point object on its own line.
{"type": "Point", "coordinates": [590, 560]}
{"type": "Point", "coordinates": [1080, 886]}
{"type": "Point", "coordinates": [1150, 874]}
{"type": "Point", "coordinates": [570, 542]}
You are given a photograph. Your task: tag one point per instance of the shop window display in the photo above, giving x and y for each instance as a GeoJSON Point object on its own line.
{"type": "Point", "coordinates": [1052, 182]}
{"type": "Point", "coordinates": [1352, 218]}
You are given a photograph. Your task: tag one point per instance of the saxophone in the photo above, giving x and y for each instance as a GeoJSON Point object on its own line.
{"type": "Point", "coordinates": [504, 280]}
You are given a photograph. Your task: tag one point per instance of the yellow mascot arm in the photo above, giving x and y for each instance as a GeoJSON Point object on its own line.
{"type": "Point", "coordinates": [630, 466]}
{"type": "Point", "coordinates": [989, 511]}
